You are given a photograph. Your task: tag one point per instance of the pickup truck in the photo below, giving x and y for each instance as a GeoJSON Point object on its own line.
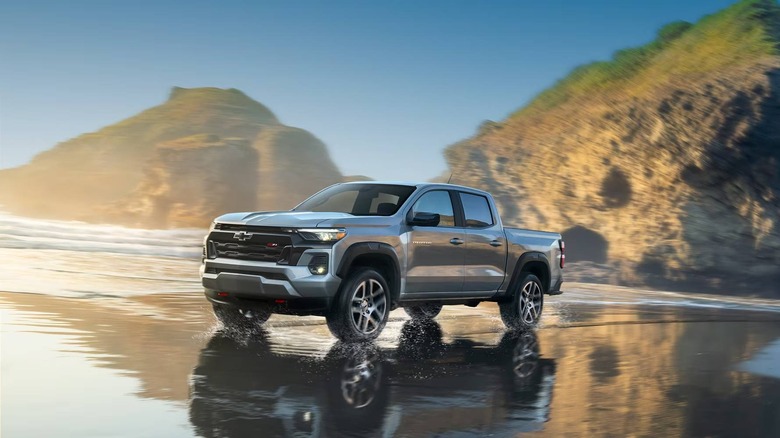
{"type": "Point", "coordinates": [353, 252]}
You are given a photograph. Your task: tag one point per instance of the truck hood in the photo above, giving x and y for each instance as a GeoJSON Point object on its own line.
{"type": "Point", "coordinates": [292, 219]}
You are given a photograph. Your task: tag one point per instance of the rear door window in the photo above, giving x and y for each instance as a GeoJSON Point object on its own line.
{"type": "Point", "coordinates": [476, 209]}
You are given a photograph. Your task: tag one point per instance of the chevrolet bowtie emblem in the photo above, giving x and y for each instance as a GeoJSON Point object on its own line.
{"type": "Point", "coordinates": [242, 235]}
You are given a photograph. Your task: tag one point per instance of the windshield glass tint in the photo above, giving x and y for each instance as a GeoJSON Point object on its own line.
{"type": "Point", "coordinates": [359, 199]}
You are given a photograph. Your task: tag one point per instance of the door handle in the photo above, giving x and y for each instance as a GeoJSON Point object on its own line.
{"type": "Point", "coordinates": [495, 243]}
{"type": "Point", "coordinates": [456, 241]}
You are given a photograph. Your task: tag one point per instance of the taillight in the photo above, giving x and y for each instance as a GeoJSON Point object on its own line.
{"type": "Point", "coordinates": [563, 252]}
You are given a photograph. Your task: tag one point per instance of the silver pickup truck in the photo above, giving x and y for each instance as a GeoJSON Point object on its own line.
{"type": "Point", "coordinates": [355, 251]}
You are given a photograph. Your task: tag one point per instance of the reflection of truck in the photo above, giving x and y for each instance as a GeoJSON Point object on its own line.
{"type": "Point", "coordinates": [355, 251]}
{"type": "Point", "coordinates": [424, 387]}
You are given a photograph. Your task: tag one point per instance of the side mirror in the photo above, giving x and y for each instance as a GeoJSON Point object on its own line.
{"type": "Point", "coordinates": [425, 220]}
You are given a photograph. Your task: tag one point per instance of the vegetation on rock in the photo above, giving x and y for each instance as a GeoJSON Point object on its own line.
{"type": "Point", "coordinates": [739, 35]}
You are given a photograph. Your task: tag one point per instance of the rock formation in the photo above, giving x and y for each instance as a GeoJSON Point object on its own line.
{"type": "Point", "coordinates": [663, 164]}
{"type": "Point", "coordinates": [204, 152]}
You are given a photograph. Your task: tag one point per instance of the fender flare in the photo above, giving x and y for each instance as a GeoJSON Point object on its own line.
{"type": "Point", "coordinates": [533, 256]}
{"type": "Point", "coordinates": [359, 249]}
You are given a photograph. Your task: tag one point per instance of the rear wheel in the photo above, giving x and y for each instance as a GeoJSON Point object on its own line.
{"type": "Point", "coordinates": [233, 317]}
{"type": "Point", "coordinates": [525, 307]}
{"type": "Point", "coordinates": [362, 307]}
{"type": "Point", "coordinates": [423, 312]}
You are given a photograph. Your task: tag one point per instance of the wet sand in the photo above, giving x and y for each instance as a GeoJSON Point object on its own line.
{"type": "Point", "coordinates": [605, 362]}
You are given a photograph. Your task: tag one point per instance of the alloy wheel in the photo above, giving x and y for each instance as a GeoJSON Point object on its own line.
{"type": "Point", "coordinates": [531, 302]}
{"type": "Point", "coordinates": [369, 305]}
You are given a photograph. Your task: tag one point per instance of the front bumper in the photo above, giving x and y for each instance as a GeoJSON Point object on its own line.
{"type": "Point", "coordinates": [267, 280]}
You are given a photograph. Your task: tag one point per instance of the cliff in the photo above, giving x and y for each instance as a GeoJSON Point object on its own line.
{"type": "Point", "coordinates": [660, 166]}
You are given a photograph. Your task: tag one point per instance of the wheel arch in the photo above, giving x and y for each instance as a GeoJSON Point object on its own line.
{"type": "Point", "coordinates": [379, 256]}
{"type": "Point", "coordinates": [534, 262]}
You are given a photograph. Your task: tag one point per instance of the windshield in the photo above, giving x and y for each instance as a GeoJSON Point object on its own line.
{"type": "Point", "coordinates": [359, 199]}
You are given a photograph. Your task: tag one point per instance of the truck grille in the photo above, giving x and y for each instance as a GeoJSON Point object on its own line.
{"type": "Point", "coordinates": [247, 245]}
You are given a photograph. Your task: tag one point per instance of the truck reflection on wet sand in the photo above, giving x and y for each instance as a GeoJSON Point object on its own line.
{"type": "Point", "coordinates": [424, 387]}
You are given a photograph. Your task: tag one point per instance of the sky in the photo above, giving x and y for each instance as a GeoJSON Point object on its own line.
{"type": "Point", "coordinates": [387, 85]}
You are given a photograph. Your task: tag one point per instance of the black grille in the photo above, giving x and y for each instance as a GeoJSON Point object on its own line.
{"type": "Point", "coordinates": [248, 245]}
{"type": "Point", "coordinates": [251, 229]}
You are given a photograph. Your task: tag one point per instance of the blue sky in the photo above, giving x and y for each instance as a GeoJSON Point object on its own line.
{"type": "Point", "coordinates": [386, 85]}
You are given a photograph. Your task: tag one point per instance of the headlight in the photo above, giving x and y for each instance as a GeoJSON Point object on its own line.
{"type": "Point", "coordinates": [323, 234]}
{"type": "Point", "coordinates": [213, 225]}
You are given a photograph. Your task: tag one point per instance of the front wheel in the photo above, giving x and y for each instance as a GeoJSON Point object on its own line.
{"type": "Point", "coordinates": [361, 308]}
{"type": "Point", "coordinates": [525, 307]}
{"type": "Point", "coordinates": [423, 312]}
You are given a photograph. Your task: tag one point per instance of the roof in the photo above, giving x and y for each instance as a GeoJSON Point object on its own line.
{"type": "Point", "coordinates": [418, 184]}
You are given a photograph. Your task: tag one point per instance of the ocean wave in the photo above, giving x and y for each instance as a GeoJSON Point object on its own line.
{"type": "Point", "coordinates": [40, 234]}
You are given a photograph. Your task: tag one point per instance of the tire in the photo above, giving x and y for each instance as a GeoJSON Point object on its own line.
{"type": "Point", "coordinates": [423, 312]}
{"type": "Point", "coordinates": [235, 318]}
{"type": "Point", "coordinates": [517, 314]}
{"type": "Point", "coordinates": [362, 307]}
